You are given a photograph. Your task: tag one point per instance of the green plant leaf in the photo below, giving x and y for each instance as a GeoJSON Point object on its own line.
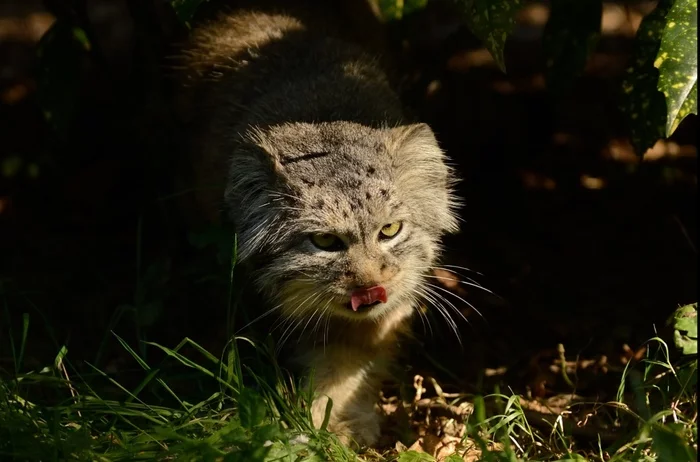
{"type": "Point", "coordinates": [677, 62]}
{"type": "Point", "coordinates": [571, 34]}
{"type": "Point", "coordinates": [23, 342]}
{"type": "Point", "coordinates": [669, 445]}
{"type": "Point", "coordinates": [267, 433]}
{"type": "Point", "coordinates": [60, 51]}
{"type": "Point", "coordinates": [685, 328]}
{"type": "Point", "coordinates": [393, 10]}
{"type": "Point", "coordinates": [479, 410]}
{"type": "Point", "coordinates": [252, 408]}
{"type": "Point", "coordinates": [688, 376]}
{"type": "Point", "coordinates": [686, 319]}
{"type": "Point", "coordinates": [60, 356]}
{"type": "Point", "coordinates": [415, 456]}
{"type": "Point", "coordinates": [640, 100]}
{"type": "Point", "coordinates": [491, 21]}
{"type": "Point", "coordinates": [453, 458]}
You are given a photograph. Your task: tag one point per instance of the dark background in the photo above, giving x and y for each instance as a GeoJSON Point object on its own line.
{"type": "Point", "coordinates": [585, 243]}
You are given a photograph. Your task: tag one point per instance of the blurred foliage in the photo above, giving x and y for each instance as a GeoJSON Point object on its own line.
{"type": "Point", "coordinates": [658, 91]}
{"type": "Point", "coordinates": [491, 21]}
{"type": "Point", "coordinates": [640, 101]}
{"type": "Point", "coordinates": [396, 9]}
{"type": "Point", "coordinates": [664, 61]}
{"type": "Point", "coordinates": [61, 52]}
{"type": "Point", "coordinates": [677, 62]}
{"type": "Point", "coordinates": [570, 36]}
{"type": "Point", "coordinates": [185, 9]}
{"type": "Point", "coordinates": [685, 328]}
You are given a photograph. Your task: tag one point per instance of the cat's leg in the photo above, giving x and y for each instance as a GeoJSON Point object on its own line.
{"type": "Point", "coordinates": [353, 386]}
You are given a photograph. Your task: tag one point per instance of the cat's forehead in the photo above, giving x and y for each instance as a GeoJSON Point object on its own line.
{"type": "Point", "coordinates": [340, 173]}
{"type": "Point", "coordinates": [352, 200]}
{"type": "Point", "coordinates": [335, 160]}
{"type": "Point", "coordinates": [303, 146]}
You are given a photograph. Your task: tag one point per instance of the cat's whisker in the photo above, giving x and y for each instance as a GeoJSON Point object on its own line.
{"type": "Point", "coordinates": [469, 281]}
{"type": "Point", "coordinates": [320, 317]}
{"type": "Point", "coordinates": [288, 333]}
{"type": "Point", "coordinates": [476, 286]}
{"type": "Point", "coordinates": [293, 324]}
{"type": "Point", "coordinates": [449, 304]}
{"type": "Point", "coordinates": [326, 333]}
{"type": "Point", "coordinates": [282, 320]}
{"type": "Point", "coordinates": [417, 305]}
{"type": "Point", "coordinates": [319, 322]}
{"type": "Point", "coordinates": [323, 292]}
{"type": "Point", "coordinates": [460, 298]}
{"type": "Point", "coordinates": [421, 315]}
{"type": "Point", "coordinates": [290, 318]}
{"type": "Point", "coordinates": [463, 268]}
{"type": "Point", "coordinates": [301, 334]}
{"type": "Point", "coordinates": [451, 271]}
{"type": "Point", "coordinates": [442, 310]}
{"type": "Point", "coordinates": [266, 313]}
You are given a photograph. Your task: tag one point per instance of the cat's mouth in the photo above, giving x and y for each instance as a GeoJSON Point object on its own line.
{"type": "Point", "coordinates": [367, 297]}
{"type": "Point", "coordinates": [363, 308]}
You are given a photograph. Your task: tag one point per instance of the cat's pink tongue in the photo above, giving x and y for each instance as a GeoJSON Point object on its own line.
{"type": "Point", "coordinates": [367, 296]}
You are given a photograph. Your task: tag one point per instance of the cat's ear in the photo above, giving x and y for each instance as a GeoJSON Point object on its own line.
{"type": "Point", "coordinates": [414, 138]}
{"type": "Point", "coordinates": [254, 169]}
{"type": "Point", "coordinates": [414, 147]}
{"type": "Point", "coordinates": [422, 173]}
{"type": "Point", "coordinates": [265, 155]}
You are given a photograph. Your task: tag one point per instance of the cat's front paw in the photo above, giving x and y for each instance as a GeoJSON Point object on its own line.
{"type": "Point", "coordinates": [358, 432]}
{"type": "Point", "coordinates": [361, 428]}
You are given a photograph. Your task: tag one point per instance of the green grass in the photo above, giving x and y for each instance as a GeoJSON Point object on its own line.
{"type": "Point", "coordinates": [56, 414]}
{"type": "Point", "coordinates": [52, 415]}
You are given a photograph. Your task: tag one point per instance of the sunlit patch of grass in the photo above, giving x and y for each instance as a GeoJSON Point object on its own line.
{"type": "Point", "coordinates": [247, 412]}
{"type": "Point", "coordinates": [47, 415]}
{"type": "Point", "coordinates": [653, 418]}
{"type": "Point", "coordinates": [661, 423]}
{"type": "Point", "coordinates": [51, 415]}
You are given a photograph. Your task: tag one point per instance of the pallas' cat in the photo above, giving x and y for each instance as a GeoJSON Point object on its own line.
{"type": "Point", "coordinates": [338, 201]}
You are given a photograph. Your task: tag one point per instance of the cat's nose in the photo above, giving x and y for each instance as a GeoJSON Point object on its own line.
{"type": "Point", "coordinates": [369, 276]}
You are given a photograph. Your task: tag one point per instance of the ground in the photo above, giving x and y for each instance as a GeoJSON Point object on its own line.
{"type": "Point", "coordinates": [585, 247]}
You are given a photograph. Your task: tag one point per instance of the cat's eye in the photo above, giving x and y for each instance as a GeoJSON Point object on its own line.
{"type": "Point", "coordinates": [326, 241]}
{"type": "Point", "coordinates": [389, 231]}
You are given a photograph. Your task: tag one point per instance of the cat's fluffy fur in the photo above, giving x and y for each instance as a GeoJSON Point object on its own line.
{"type": "Point", "coordinates": [306, 135]}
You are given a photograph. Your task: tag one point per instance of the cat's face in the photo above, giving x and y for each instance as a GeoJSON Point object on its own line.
{"type": "Point", "coordinates": [347, 219]}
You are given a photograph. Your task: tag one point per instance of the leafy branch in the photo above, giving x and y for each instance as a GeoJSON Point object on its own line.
{"type": "Point", "coordinates": [659, 88]}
